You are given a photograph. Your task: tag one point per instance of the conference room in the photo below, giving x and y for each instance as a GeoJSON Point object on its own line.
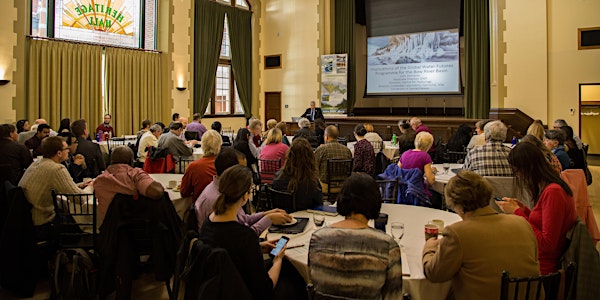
{"type": "Point", "coordinates": [447, 62]}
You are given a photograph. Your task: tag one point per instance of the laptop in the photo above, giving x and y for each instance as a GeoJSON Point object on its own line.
{"type": "Point", "coordinates": [191, 135]}
{"type": "Point", "coordinates": [292, 229]}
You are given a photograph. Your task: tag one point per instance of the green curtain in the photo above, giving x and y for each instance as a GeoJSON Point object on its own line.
{"type": "Point", "coordinates": [64, 81]}
{"type": "Point", "coordinates": [133, 88]}
{"type": "Point", "coordinates": [208, 33]}
{"type": "Point", "coordinates": [240, 37]}
{"type": "Point", "coordinates": [344, 43]}
{"type": "Point", "coordinates": [477, 59]}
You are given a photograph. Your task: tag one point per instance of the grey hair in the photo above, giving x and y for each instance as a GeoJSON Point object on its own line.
{"type": "Point", "coordinates": [560, 123]}
{"type": "Point", "coordinates": [495, 131]}
{"type": "Point", "coordinates": [304, 122]}
{"type": "Point", "coordinates": [156, 128]}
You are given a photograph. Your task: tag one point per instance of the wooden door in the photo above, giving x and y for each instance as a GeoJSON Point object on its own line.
{"type": "Point", "coordinates": [273, 106]}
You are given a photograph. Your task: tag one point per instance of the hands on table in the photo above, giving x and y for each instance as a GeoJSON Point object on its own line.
{"type": "Point", "coordinates": [278, 216]}
{"type": "Point", "coordinates": [509, 205]}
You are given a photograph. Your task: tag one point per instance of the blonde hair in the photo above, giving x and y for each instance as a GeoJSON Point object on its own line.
{"type": "Point", "coordinates": [211, 143]}
{"type": "Point", "coordinates": [536, 129]}
{"type": "Point", "coordinates": [274, 136]}
{"type": "Point", "coordinates": [423, 141]}
{"type": "Point", "coordinates": [271, 123]}
{"type": "Point", "coordinates": [369, 127]}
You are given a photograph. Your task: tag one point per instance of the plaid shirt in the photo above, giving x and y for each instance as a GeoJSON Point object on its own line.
{"type": "Point", "coordinates": [490, 159]}
{"type": "Point", "coordinates": [330, 150]}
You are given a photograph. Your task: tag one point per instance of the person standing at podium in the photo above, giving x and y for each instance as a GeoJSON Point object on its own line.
{"type": "Point", "coordinates": [312, 113]}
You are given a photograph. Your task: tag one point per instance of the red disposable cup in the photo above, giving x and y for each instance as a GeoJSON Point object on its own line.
{"type": "Point", "coordinates": [431, 231]}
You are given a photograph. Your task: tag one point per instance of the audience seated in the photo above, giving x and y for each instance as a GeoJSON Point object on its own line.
{"type": "Point", "coordinates": [305, 132]}
{"type": "Point", "coordinates": [474, 252]}
{"type": "Point", "coordinates": [328, 151]}
{"type": "Point", "coordinates": [148, 139]}
{"type": "Point", "coordinates": [479, 138]}
{"type": "Point", "coordinates": [550, 157]}
{"type": "Point", "coordinates": [349, 259]}
{"type": "Point", "coordinates": [244, 144]}
{"type": "Point", "coordinates": [171, 140]}
{"type": "Point", "coordinates": [537, 129]}
{"type": "Point", "coordinates": [23, 125]}
{"type": "Point", "coordinates": [299, 176]}
{"type": "Point", "coordinates": [121, 178]}
{"type": "Point", "coordinates": [223, 230]}
{"type": "Point", "coordinates": [43, 176]}
{"type": "Point", "coordinates": [553, 213]}
{"type": "Point", "coordinates": [419, 159]}
{"type": "Point", "coordinates": [204, 205]}
{"type": "Point", "coordinates": [146, 124]}
{"type": "Point", "coordinates": [255, 128]}
{"type": "Point", "coordinates": [200, 172]}
{"type": "Point", "coordinates": [490, 159]}
{"type": "Point", "coordinates": [320, 131]}
{"type": "Point", "coordinates": [196, 125]}
{"type": "Point", "coordinates": [560, 123]}
{"type": "Point", "coordinates": [94, 159]}
{"type": "Point", "coordinates": [35, 142]}
{"type": "Point", "coordinates": [65, 126]}
{"type": "Point", "coordinates": [373, 136]}
{"type": "Point", "coordinates": [27, 134]}
{"type": "Point", "coordinates": [216, 126]}
{"type": "Point", "coordinates": [76, 162]}
{"type": "Point", "coordinates": [406, 140]}
{"type": "Point", "coordinates": [15, 155]}
{"type": "Point", "coordinates": [576, 155]}
{"type": "Point", "coordinates": [459, 141]}
{"type": "Point", "coordinates": [364, 155]}
{"type": "Point", "coordinates": [554, 140]}
{"type": "Point", "coordinates": [283, 127]}
{"type": "Point", "coordinates": [105, 126]}
{"type": "Point", "coordinates": [274, 148]}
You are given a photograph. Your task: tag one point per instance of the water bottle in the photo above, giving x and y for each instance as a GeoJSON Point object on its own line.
{"type": "Point", "coordinates": [514, 140]}
{"type": "Point", "coordinates": [394, 139]}
{"type": "Point", "coordinates": [98, 137]}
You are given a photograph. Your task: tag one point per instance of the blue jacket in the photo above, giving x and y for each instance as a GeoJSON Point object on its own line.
{"type": "Point", "coordinates": [410, 185]}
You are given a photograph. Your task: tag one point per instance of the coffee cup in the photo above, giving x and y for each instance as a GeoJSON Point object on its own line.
{"type": "Point", "coordinates": [431, 231]}
{"type": "Point", "coordinates": [172, 184]}
{"type": "Point", "coordinates": [381, 221]}
{"type": "Point", "coordinates": [438, 222]}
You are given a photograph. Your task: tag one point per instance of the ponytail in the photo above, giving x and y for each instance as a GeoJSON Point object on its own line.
{"type": "Point", "coordinates": [233, 184]}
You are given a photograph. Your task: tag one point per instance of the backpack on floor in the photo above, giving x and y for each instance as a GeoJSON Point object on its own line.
{"type": "Point", "coordinates": [72, 275]}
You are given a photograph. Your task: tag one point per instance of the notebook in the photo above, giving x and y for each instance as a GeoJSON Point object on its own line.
{"type": "Point", "coordinates": [324, 210]}
{"type": "Point", "coordinates": [293, 229]}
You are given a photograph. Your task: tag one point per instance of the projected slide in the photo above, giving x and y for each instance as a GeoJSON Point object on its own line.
{"type": "Point", "coordinates": [415, 63]}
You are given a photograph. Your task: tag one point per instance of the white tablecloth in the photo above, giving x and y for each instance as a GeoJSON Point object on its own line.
{"type": "Point", "coordinates": [390, 150]}
{"type": "Point", "coordinates": [414, 219]}
{"type": "Point", "coordinates": [441, 178]}
{"type": "Point", "coordinates": [181, 203]}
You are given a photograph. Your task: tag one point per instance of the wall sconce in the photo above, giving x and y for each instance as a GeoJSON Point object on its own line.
{"type": "Point", "coordinates": [4, 81]}
{"type": "Point", "coordinates": [181, 88]}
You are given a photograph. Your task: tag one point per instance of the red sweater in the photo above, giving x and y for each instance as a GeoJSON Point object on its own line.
{"type": "Point", "coordinates": [552, 216]}
{"type": "Point", "coordinates": [197, 176]}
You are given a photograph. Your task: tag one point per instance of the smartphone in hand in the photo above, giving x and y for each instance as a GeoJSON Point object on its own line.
{"type": "Point", "coordinates": [498, 198]}
{"type": "Point", "coordinates": [280, 244]}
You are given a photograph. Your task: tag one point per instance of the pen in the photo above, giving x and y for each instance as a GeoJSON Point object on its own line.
{"type": "Point", "coordinates": [294, 246]}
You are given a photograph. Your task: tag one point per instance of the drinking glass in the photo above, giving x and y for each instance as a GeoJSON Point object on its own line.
{"type": "Point", "coordinates": [446, 167]}
{"type": "Point", "coordinates": [397, 230]}
{"type": "Point", "coordinates": [318, 219]}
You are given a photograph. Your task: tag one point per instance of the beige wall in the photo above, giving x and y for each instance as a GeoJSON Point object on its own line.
{"type": "Point", "coordinates": [8, 64]}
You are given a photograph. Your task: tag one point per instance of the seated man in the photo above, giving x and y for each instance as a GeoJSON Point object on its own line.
{"type": "Point", "coordinates": [121, 178]}
{"type": "Point", "coordinates": [330, 150]}
{"type": "Point", "coordinates": [42, 177]}
{"type": "Point", "coordinates": [76, 162]}
{"type": "Point", "coordinates": [106, 127]}
{"type": "Point", "coordinates": [35, 142]}
{"type": "Point", "coordinates": [197, 126]}
{"type": "Point", "coordinates": [171, 141]}
{"type": "Point", "coordinates": [149, 138]}
{"type": "Point", "coordinates": [490, 159]}
{"type": "Point", "coordinates": [204, 204]}
{"type": "Point", "coordinates": [479, 138]}
{"type": "Point", "coordinates": [15, 155]}
{"type": "Point", "coordinates": [94, 159]}
{"type": "Point", "coordinates": [216, 126]}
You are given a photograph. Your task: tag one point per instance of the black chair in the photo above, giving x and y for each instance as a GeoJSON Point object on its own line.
{"type": "Point", "coordinates": [376, 145]}
{"type": "Point", "coordinates": [388, 190]}
{"type": "Point", "coordinates": [75, 220]}
{"type": "Point", "coordinates": [182, 164]}
{"type": "Point", "coordinates": [343, 141]}
{"type": "Point", "coordinates": [337, 172]}
{"type": "Point", "coordinates": [394, 160]}
{"type": "Point", "coordinates": [191, 135]}
{"type": "Point", "coordinates": [455, 156]}
{"type": "Point", "coordinates": [268, 168]}
{"type": "Point", "coordinates": [283, 200]}
{"type": "Point", "coordinates": [531, 287]}
{"type": "Point", "coordinates": [111, 143]}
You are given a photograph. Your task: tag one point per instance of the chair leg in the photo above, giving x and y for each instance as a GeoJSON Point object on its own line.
{"type": "Point", "coordinates": [169, 291]}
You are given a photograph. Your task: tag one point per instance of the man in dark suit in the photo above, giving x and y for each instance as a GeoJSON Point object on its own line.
{"type": "Point", "coordinates": [94, 159]}
{"type": "Point", "coordinates": [312, 113]}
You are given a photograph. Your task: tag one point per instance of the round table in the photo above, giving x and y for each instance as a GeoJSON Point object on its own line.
{"type": "Point", "coordinates": [414, 219]}
{"type": "Point", "coordinates": [389, 150]}
{"type": "Point", "coordinates": [181, 203]}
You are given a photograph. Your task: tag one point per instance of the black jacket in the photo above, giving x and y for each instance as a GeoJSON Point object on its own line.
{"type": "Point", "coordinates": [318, 114]}
{"type": "Point", "coordinates": [94, 159]}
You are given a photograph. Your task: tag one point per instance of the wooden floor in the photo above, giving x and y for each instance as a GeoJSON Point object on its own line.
{"type": "Point", "coordinates": [147, 288]}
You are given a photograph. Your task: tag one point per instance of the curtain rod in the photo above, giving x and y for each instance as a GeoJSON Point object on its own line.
{"type": "Point", "coordinates": [91, 44]}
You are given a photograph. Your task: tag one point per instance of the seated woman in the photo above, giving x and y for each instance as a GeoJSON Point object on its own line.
{"type": "Point", "coordinates": [222, 230]}
{"type": "Point", "coordinates": [474, 252]}
{"type": "Point", "coordinates": [553, 213]}
{"type": "Point", "coordinates": [364, 155]}
{"type": "Point", "coordinates": [373, 136]}
{"type": "Point", "coordinates": [418, 158]}
{"type": "Point", "coordinates": [349, 259]}
{"type": "Point", "coordinates": [554, 141]}
{"type": "Point", "coordinates": [305, 132]}
{"type": "Point", "coordinates": [576, 155]}
{"type": "Point", "coordinates": [406, 140]}
{"type": "Point", "coordinates": [459, 141]}
{"type": "Point", "coordinates": [536, 129]}
{"type": "Point", "coordinates": [299, 176]}
{"type": "Point", "coordinates": [550, 157]}
{"type": "Point", "coordinates": [274, 148]}
{"type": "Point", "coordinates": [243, 144]}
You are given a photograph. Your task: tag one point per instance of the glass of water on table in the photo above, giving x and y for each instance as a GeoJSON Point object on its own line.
{"type": "Point", "coordinates": [397, 229]}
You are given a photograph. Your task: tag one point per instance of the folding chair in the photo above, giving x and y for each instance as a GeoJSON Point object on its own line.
{"type": "Point", "coordinates": [268, 168]}
{"type": "Point", "coordinates": [337, 172]}
{"type": "Point", "coordinates": [512, 288]}
{"type": "Point", "coordinates": [182, 164]}
{"type": "Point", "coordinates": [75, 220]}
{"type": "Point", "coordinates": [111, 143]}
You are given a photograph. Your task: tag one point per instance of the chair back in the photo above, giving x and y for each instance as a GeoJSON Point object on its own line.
{"type": "Point", "coordinates": [76, 216]}
{"type": "Point", "coordinates": [388, 190]}
{"type": "Point", "coordinates": [182, 165]}
{"type": "Point", "coordinates": [337, 172]}
{"type": "Point", "coordinates": [503, 186]}
{"type": "Point", "coordinates": [455, 156]}
{"type": "Point", "coordinates": [268, 168]}
{"type": "Point", "coordinates": [191, 135]}
{"type": "Point", "coordinates": [113, 142]}
{"type": "Point", "coordinates": [283, 200]}
{"type": "Point", "coordinates": [343, 141]}
{"type": "Point", "coordinates": [376, 145]}
{"type": "Point", "coordinates": [530, 287]}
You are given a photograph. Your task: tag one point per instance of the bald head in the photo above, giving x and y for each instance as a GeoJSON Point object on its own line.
{"type": "Point", "coordinates": [331, 133]}
{"type": "Point", "coordinates": [121, 155]}
{"type": "Point", "coordinates": [40, 121]}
